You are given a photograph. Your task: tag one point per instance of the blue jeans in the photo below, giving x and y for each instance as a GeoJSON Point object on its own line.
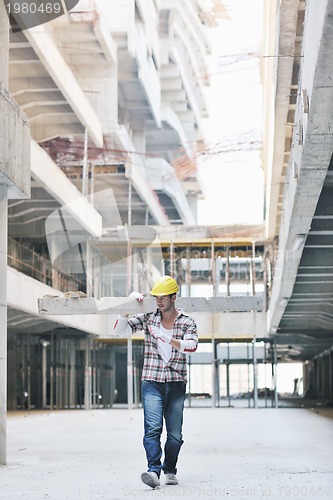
{"type": "Point", "coordinates": [163, 399]}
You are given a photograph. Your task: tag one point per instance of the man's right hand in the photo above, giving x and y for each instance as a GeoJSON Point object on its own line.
{"type": "Point", "coordinates": [137, 295]}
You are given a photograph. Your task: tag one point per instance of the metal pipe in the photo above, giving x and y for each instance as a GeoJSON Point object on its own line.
{"type": "Point", "coordinates": [228, 374]}
{"type": "Point", "coordinates": [44, 372]}
{"type": "Point", "coordinates": [265, 362]}
{"type": "Point", "coordinates": [92, 182]}
{"type": "Point", "coordinates": [129, 205]}
{"type": "Point", "coordinates": [275, 375]}
{"type": "Point", "coordinates": [330, 381]}
{"type": "Point", "coordinates": [188, 271]}
{"type": "Point", "coordinates": [52, 372]}
{"type": "Point", "coordinates": [3, 318]}
{"type": "Point", "coordinates": [87, 378]}
{"type": "Point", "coordinates": [255, 374]}
{"type": "Point", "coordinates": [189, 381]}
{"type": "Point", "coordinates": [85, 163]}
{"type": "Point", "coordinates": [172, 257]}
{"type": "Point", "coordinates": [129, 373]}
{"type": "Point", "coordinates": [253, 270]}
{"type": "Point", "coordinates": [28, 372]}
{"type": "Point", "coordinates": [248, 375]}
{"type": "Point", "coordinates": [213, 374]}
{"type": "Point", "coordinates": [213, 270]}
{"type": "Point", "coordinates": [227, 271]}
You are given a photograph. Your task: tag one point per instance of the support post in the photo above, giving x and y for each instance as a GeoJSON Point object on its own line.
{"type": "Point", "coordinates": [255, 373]}
{"type": "Point", "coordinates": [85, 163]}
{"type": "Point", "coordinates": [213, 267]}
{"type": "Point", "coordinates": [227, 272]}
{"type": "Point", "coordinates": [216, 380]}
{"type": "Point", "coordinates": [330, 381]}
{"type": "Point", "coordinates": [87, 378]}
{"type": "Point", "coordinates": [189, 382]}
{"type": "Point", "coordinates": [3, 323]}
{"type": "Point", "coordinates": [172, 260]}
{"type": "Point", "coordinates": [92, 182]}
{"type": "Point", "coordinates": [44, 372]}
{"type": "Point", "coordinates": [253, 270]}
{"type": "Point", "coordinates": [228, 374]}
{"type": "Point", "coordinates": [188, 271]}
{"type": "Point", "coordinates": [4, 57]}
{"type": "Point", "coordinates": [275, 376]}
{"type": "Point", "coordinates": [129, 374]}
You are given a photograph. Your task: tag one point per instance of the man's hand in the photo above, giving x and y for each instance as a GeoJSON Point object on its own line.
{"type": "Point", "coordinates": [137, 295]}
{"type": "Point", "coordinates": [158, 334]}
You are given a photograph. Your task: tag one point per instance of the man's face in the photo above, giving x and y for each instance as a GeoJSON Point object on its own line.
{"type": "Point", "coordinates": [165, 302]}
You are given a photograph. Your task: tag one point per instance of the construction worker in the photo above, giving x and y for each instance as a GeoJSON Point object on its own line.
{"type": "Point", "coordinates": [169, 333]}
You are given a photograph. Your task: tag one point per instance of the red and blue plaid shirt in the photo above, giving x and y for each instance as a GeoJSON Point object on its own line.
{"type": "Point", "coordinates": [184, 328]}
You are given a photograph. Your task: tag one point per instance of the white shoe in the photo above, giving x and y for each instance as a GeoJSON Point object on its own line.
{"type": "Point", "coordinates": [171, 479]}
{"type": "Point", "coordinates": [151, 479]}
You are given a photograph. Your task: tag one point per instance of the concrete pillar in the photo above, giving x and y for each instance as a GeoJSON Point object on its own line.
{"type": "Point", "coordinates": [4, 55]}
{"type": "Point", "coordinates": [4, 44]}
{"type": "Point", "coordinates": [3, 324]}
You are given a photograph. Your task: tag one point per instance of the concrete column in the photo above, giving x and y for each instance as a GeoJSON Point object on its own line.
{"type": "Point", "coordinates": [4, 55]}
{"type": "Point", "coordinates": [4, 45]}
{"type": "Point", "coordinates": [3, 324]}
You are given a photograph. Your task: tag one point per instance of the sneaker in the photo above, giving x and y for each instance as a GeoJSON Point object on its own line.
{"type": "Point", "coordinates": [171, 479]}
{"type": "Point", "coordinates": [151, 479]}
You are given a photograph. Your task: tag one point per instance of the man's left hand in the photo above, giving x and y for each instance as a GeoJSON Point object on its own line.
{"type": "Point", "coordinates": [158, 334]}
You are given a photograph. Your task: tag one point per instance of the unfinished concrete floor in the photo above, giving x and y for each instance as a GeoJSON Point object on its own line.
{"type": "Point", "coordinates": [228, 453]}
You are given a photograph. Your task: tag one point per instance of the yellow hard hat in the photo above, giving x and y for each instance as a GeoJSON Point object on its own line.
{"type": "Point", "coordinates": [164, 286]}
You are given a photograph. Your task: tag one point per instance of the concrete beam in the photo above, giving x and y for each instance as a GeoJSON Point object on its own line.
{"type": "Point", "coordinates": [62, 75]}
{"type": "Point", "coordinates": [55, 182]}
{"type": "Point", "coordinates": [236, 233]}
{"type": "Point", "coordinates": [23, 293]}
{"type": "Point", "coordinates": [51, 305]}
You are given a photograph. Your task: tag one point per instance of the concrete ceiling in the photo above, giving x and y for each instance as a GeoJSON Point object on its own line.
{"type": "Point", "coordinates": [301, 305]}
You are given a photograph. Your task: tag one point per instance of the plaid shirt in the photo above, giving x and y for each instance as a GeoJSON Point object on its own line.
{"type": "Point", "coordinates": [184, 327]}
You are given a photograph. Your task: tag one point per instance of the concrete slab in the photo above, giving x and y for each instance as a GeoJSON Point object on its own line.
{"type": "Point", "coordinates": [228, 453]}
{"type": "Point", "coordinates": [89, 305]}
